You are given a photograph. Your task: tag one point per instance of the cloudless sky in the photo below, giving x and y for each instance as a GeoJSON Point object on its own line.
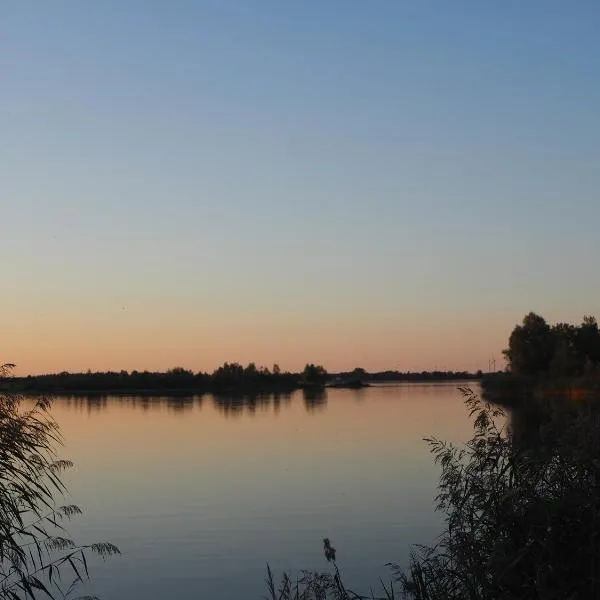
{"type": "Point", "coordinates": [384, 184]}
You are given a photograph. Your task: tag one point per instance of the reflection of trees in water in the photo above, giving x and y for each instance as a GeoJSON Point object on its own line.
{"type": "Point", "coordinates": [96, 402]}
{"type": "Point", "coordinates": [314, 398]}
{"type": "Point", "coordinates": [183, 403]}
{"type": "Point", "coordinates": [91, 403]}
{"type": "Point", "coordinates": [237, 404]}
{"type": "Point", "coordinates": [226, 404]}
{"type": "Point", "coordinates": [359, 394]}
{"type": "Point", "coordinates": [552, 422]}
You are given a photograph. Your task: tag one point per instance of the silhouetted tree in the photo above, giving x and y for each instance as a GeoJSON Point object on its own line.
{"type": "Point", "coordinates": [565, 361]}
{"type": "Point", "coordinates": [358, 373]}
{"type": "Point", "coordinates": [587, 340]}
{"type": "Point", "coordinates": [530, 346]}
{"type": "Point", "coordinates": [563, 350]}
{"type": "Point", "coordinates": [314, 374]}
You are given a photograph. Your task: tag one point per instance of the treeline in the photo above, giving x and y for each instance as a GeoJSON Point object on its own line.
{"type": "Point", "coordinates": [228, 378]}
{"type": "Point", "coordinates": [536, 348]}
{"type": "Point", "coordinates": [424, 376]}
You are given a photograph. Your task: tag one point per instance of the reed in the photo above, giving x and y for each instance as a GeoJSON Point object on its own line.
{"type": "Point", "coordinates": [37, 556]}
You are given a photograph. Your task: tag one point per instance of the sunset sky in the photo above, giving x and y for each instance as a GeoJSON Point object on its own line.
{"type": "Point", "coordinates": [378, 184]}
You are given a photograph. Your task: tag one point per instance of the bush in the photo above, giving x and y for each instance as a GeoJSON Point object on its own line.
{"type": "Point", "coordinates": [521, 509]}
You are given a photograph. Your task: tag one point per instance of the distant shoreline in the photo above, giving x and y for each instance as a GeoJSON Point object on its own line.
{"type": "Point", "coordinates": [187, 383]}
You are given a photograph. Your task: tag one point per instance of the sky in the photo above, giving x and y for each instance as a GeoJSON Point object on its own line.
{"type": "Point", "coordinates": [391, 185]}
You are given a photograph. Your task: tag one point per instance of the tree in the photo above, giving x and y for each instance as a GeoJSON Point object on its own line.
{"type": "Point", "coordinates": [251, 370]}
{"type": "Point", "coordinates": [587, 340]}
{"type": "Point", "coordinates": [566, 361]}
{"type": "Point", "coordinates": [229, 372]}
{"type": "Point", "coordinates": [530, 346]}
{"type": "Point", "coordinates": [563, 350]}
{"type": "Point", "coordinates": [35, 551]}
{"type": "Point", "coordinates": [180, 372]}
{"type": "Point", "coordinates": [314, 374]}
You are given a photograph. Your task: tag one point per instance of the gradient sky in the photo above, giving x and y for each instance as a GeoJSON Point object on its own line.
{"type": "Point", "coordinates": [385, 184]}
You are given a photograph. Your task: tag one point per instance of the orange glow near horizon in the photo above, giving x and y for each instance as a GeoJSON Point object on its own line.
{"type": "Point", "coordinates": [139, 343]}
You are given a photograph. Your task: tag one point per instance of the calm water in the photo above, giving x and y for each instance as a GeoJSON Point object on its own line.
{"type": "Point", "coordinates": [200, 494]}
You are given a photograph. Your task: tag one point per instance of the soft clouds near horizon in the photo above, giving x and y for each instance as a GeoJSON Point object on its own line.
{"type": "Point", "coordinates": [387, 185]}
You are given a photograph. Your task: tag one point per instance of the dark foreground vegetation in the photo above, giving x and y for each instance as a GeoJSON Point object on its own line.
{"type": "Point", "coordinates": [522, 511]}
{"type": "Point", "coordinates": [37, 557]}
{"type": "Point", "coordinates": [229, 378]}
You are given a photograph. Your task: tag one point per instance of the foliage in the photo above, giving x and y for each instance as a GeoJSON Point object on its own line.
{"type": "Point", "coordinates": [521, 508]}
{"type": "Point", "coordinates": [314, 374]}
{"type": "Point", "coordinates": [563, 350]}
{"type": "Point", "coordinates": [37, 558]}
{"type": "Point", "coordinates": [530, 346]}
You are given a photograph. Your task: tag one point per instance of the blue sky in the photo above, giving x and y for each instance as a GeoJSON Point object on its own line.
{"type": "Point", "coordinates": [388, 184]}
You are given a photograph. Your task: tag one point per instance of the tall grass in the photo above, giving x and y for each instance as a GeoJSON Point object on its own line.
{"type": "Point", "coordinates": [310, 585]}
{"type": "Point", "coordinates": [37, 556]}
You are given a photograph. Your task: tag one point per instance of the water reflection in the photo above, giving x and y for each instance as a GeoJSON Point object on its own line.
{"type": "Point", "coordinates": [229, 405]}
{"type": "Point", "coordinates": [97, 402]}
{"type": "Point", "coordinates": [235, 404]}
{"type": "Point", "coordinates": [314, 399]}
{"type": "Point", "coordinates": [208, 488]}
{"type": "Point", "coordinates": [548, 421]}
